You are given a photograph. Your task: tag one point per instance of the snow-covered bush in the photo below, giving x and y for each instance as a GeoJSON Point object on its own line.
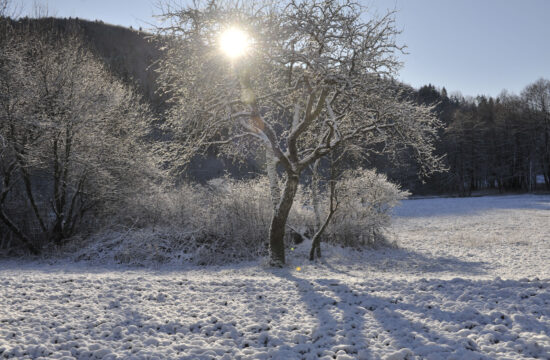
{"type": "Point", "coordinates": [227, 220]}
{"type": "Point", "coordinates": [134, 246]}
{"type": "Point", "coordinates": [235, 221]}
{"type": "Point", "coordinates": [366, 199]}
{"type": "Point", "coordinates": [223, 221]}
{"type": "Point", "coordinates": [74, 139]}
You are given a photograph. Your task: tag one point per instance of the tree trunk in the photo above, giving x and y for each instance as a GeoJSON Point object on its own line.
{"type": "Point", "coordinates": [278, 221]}
{"type": "Point", "coordinates": [28, 188]}
{"type": "Point", "coordinates": [333, 206]}
{"type": "Point", "coordinates": [59, 231]}
{"type": "Point", "coordinates": [271, 165]}
{"type": "Point", "coordinates": [316, 244]}
{"type": "Point", "coordinates": [315, 193]}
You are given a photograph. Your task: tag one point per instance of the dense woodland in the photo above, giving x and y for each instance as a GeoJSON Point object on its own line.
{"type": "Point", "coordinates": [493, 144]}
{"type": "Point", "coordinates": [65, 80]}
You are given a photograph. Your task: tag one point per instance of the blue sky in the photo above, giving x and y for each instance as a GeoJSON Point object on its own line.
{"type": "Point", "coordinates": [471, 46]}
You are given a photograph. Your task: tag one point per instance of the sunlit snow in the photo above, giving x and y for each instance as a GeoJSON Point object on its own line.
{"type": "Point", "coordinates": [469, 280]}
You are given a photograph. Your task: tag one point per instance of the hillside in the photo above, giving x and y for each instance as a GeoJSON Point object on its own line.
{"type": "Point", "coordinates": [127, 52]}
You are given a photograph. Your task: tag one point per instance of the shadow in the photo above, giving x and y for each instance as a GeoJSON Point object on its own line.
{"type": "Point", "coordinates": [387, 260]}
{"type": "Point", "coordinates": [470, 206]}
{"type": "Point", "coordinates": [328, 335]}
{"type": "Point", "coordinates": [402, 261]}
{"type": "Point", "coordinates": [342, 320]}
{"type": "Point", "coordinates": [424, 318]}
{"type": "Point", "coordinates": [480, 309]}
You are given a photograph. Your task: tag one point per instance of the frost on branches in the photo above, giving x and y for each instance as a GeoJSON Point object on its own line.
{"type": "Point", "coordinates": [71, 138]}
{"type": "Point", "coordinates": [367, 200]}
{"type": "Point", "coordinates": [317, 78]}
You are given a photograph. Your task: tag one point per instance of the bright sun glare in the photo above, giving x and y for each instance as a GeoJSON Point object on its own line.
{"type": "Point", "coordinates": [234, 42]}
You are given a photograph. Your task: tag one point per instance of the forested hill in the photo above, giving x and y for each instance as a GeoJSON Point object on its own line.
{"type": "Point", "coordinates": [127, 52]}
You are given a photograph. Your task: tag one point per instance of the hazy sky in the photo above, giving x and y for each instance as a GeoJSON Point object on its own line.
{"type": "Point", "coordinates": [471, 46]}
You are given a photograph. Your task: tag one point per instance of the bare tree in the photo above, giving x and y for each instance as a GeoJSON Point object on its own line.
{"type": "Point", "coordinates": [10, 9]}
{"type": "Point", "coordinates": [317, 77]}
{"type": "Point", "coordinates": [6, 9]}
{"type": "Point", "coordinates": [70, 137]}
{"type": "Point", "coordinates": [333, 204]}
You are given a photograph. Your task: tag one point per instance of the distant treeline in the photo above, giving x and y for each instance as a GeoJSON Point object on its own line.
{"type": "Point", "coordinates": [490, 143]}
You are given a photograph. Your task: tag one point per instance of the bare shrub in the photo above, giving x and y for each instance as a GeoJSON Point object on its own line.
{"type": "Point", "coordinates": [227, 220]}
{"type": "Point", "coordinates": [366, 202]}
{"type": "Point", "coordinates": [221, 222]}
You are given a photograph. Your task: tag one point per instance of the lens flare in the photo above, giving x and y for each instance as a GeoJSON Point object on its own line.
{"type": "Point", "coordinates": [234, 42]}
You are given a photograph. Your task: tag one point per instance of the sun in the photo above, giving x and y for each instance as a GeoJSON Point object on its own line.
{"type": "Point", "coordinates": [234, 42]}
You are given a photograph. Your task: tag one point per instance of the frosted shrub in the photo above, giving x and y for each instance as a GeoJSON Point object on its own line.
{"type": "Point", "coordinates": [223, 221]}
{"type": "Point", "coordinates": [228, 220]}
{"type": "Point", "coordinates": [135, 246]}
{"type": "Point", "coordinates": [236, 220]}
{"type": "Point", "coordinates": [366, 201]}
{"type": "Point", "coordinates": [235, 217]}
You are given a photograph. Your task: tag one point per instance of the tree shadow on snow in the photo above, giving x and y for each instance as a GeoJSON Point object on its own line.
{"type": "Point", "coordinates": [423, 317]}
{"type": "Point", "coordinates": [404, 262]}
{"type": "Point", "coordinates": [328, 334]}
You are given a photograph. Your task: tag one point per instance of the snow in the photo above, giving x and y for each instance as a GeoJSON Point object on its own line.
{"type": "Point", "coordinates": [470, 279]}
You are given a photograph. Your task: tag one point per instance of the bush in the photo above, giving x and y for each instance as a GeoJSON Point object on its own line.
{"type": "Point", "coordinates": [220, 222]}
{"type": "Point", "coordinates": [228, 220]}
{"type": "Point", "coordinates": [366, 202]}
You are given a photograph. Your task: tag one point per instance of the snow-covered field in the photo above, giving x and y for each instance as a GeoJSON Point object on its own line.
{"type": "Point", "coordinates": [470, 280]}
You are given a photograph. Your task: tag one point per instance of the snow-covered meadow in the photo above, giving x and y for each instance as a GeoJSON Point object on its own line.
{"type": "Point", "coordinates": [470, 279]}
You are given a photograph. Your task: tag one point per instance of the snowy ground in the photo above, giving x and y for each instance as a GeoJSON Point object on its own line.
{"type": "Point", "coordinates": [471, 280]}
